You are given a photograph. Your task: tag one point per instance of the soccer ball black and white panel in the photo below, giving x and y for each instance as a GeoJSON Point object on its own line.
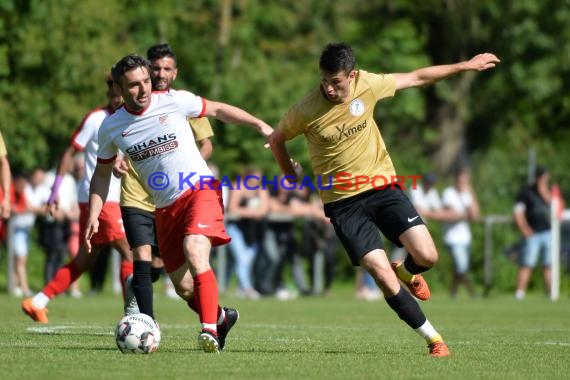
{"type": "Point", "coordinates": [137, 334]}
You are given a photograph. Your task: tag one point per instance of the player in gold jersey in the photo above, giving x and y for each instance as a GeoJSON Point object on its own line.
{"type": "Point", "coordinates": [137, 206]}
{"type": "Point", "coordinates": [345, 145]}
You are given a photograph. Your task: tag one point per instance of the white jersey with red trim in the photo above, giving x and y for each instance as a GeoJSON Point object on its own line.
{"type": "Point", "coordinates": [159, 143]}
{"type": "Point", "coordinates": [86, 139]}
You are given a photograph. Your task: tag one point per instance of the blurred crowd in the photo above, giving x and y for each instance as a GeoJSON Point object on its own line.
{"type": "Point", "coordinates": [277, 237]}
{"type": "Point", "coordinates": [57, 234]}
{"type": "Point", "coordinates": [282, 243]}
{"type": "Point", "coordinates": [279, 234]}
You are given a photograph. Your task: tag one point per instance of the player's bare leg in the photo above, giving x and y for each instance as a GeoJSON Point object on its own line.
{"type": "Point", "coordinates": [422, 255]}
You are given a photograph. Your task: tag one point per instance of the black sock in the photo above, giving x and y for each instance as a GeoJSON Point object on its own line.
{"type": "Point", "coordinates": [155, 274]}
{"type": "Point", "coordinates": [412, 267]}
{"type": "Point", "coordinates": [407, 309]}
{"type": "Point", "coordinates": [142, 286]}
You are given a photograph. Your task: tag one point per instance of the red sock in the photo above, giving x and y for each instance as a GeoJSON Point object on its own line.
{"type": "Point", "coordinates": [206, 296]}
{"type": "Point", "coordinates": [192, 304]}
{"type": "Point", "coordinates": [125, 271]}
{"type": "Point", "coordinates": [63, 278]}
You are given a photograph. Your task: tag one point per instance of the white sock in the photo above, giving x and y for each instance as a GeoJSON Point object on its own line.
{"type": "Point", "coordinates": [222, 317]}
{"type": "Point", "coordinates": [427, 332]}
{"type": "Point", "coordinates": [210, 326]}
{"type": "Point", "coordinates": [40, 300]}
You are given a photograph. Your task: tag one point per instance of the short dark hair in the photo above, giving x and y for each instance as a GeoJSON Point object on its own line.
{"type": "Point", "coordinates": [539, 171]}
{"type": "Point", "coordinates": [160, 51]}
{"type": "Point", "coordinates": [109, 80]}
{"type": "Point", "coordinates": [128, 63]}
{"type": "Point", "coordinates": [337, 57]}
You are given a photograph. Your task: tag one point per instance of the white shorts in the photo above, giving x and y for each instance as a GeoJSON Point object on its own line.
{"type": "Point", "coordinates": [20, 242]}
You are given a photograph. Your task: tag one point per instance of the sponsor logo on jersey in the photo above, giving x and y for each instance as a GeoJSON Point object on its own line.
{"type": "Point", "coordinates": [356, 107]}
{"type": "Point", "coordinates": [343, 132]}
{"type": "Point", "coordinates": [153, 147]}
{"type": "Point", "coordinates": [163, 120]}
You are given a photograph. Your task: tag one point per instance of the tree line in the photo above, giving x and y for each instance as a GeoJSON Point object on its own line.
{"type": "Point", "coordinates": [263, 56]}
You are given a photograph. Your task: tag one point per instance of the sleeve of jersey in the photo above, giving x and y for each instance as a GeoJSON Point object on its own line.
{"type": "Point", "coordinates": [521, 196]}
{"type": "Point", "coordinates": [383, 85]}
{"type": "Point", "coordinates": [191, 105]}
{"type": "Point", "coordinates": [292, 124]}
{"type": "Point", "coordinates": [201, 128]}
{"type": "Point", "coordinates": [84, 133]}
{"type": "Point", "coordinates": [107, 151]}
{"type": "Point", "coordinates": [3, 150]}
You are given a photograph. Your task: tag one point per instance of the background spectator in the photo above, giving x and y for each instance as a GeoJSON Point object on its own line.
{"type": "Point", "coordinates": [249, 203]}
{"type": "Point", "coordinates": [27, 202]}
{"type": "Point", "coordinates": [532, 217]}
{"type": "Point", "coordinates": [462, 206]}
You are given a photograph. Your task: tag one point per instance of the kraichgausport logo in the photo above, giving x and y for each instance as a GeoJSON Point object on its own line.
{"type": "Point", "coordinates": [342, 181]}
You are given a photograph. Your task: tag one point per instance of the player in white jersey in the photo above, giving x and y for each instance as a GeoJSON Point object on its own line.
{"type": "Point", "coordinates": [151, 128]}
{"type": "Point", "coordinates": [111, 225]}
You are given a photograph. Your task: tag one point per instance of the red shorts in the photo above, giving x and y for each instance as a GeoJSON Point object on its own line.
{"type": "Point", "coordinates": [110, 223]}
{"type": "Point", "coordinates": [195, 212]}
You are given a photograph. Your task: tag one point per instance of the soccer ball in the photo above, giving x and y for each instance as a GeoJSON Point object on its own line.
{"type": "Point", "coordinates": [137, 334]}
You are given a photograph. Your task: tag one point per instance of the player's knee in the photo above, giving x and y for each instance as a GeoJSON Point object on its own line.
{"type": "Point", "coordinates": [431, 258]}
{"type": "Point", "coordinates": [184, 292]}
{"type": "Point", "coordinates": [197, 252]}
{"type": "Point", "coordinates": [425, 258]}
{"type": "Point", "coordinates": [428, 256]}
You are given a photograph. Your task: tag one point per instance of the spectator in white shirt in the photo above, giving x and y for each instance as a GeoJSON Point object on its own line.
{"type": "Point", "coordinates": [462, 206]}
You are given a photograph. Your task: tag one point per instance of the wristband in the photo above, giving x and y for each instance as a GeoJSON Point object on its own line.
{"type": "Point", "coordinates": [55, 190]}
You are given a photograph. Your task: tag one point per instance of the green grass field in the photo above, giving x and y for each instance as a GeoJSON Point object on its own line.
{"type": "Point", "coordinates": [333, 337]}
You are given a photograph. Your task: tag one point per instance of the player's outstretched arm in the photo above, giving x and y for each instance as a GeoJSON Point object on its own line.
{"type": "Point", "coordinates": [432, 74]}
{"type": "Point", "coordinates": [290, 168]}
{"type": "Point", "coordinates": [231, 114]}
{"type": "Point", "coordinates": [98, 191]}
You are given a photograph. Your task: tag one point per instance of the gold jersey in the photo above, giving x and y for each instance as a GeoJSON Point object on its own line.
{"type": "Point", "coordinates": [3, 150]}
{"type": "Point", "coordinates": [344, 141]}
{"type": "Point", "coordinates": [133, 193]}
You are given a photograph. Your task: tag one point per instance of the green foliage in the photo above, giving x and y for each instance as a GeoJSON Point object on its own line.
{"type": "Point", "coordinates": [262, 56]}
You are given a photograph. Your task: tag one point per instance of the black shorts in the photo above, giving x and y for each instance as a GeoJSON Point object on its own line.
{"type": "Point", "coordinates": [357, 219]}
{"type": "Point", "coordinates": [140, 228]}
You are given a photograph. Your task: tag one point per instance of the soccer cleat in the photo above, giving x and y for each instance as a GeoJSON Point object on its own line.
{"type": "Point", "coordinates": [131, 306]}
{"type": "Point", "coordinates": [208, 341]}
{"type": "Point", "coordinates": [418, 286]}
{"type": "Point", "coordinates": [232, 316]}
{"type": "Point", "coordinates": [37, 314]}
{"type": "Point", "coordinates": [439, 349]}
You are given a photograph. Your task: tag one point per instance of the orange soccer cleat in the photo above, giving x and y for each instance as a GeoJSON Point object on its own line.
{"type": "Point", "coordinates": [418, 286]}
{"type": "Point", "coordinates": [37, 314]}
{"type": "Point", "coordinates": [439, 349]}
